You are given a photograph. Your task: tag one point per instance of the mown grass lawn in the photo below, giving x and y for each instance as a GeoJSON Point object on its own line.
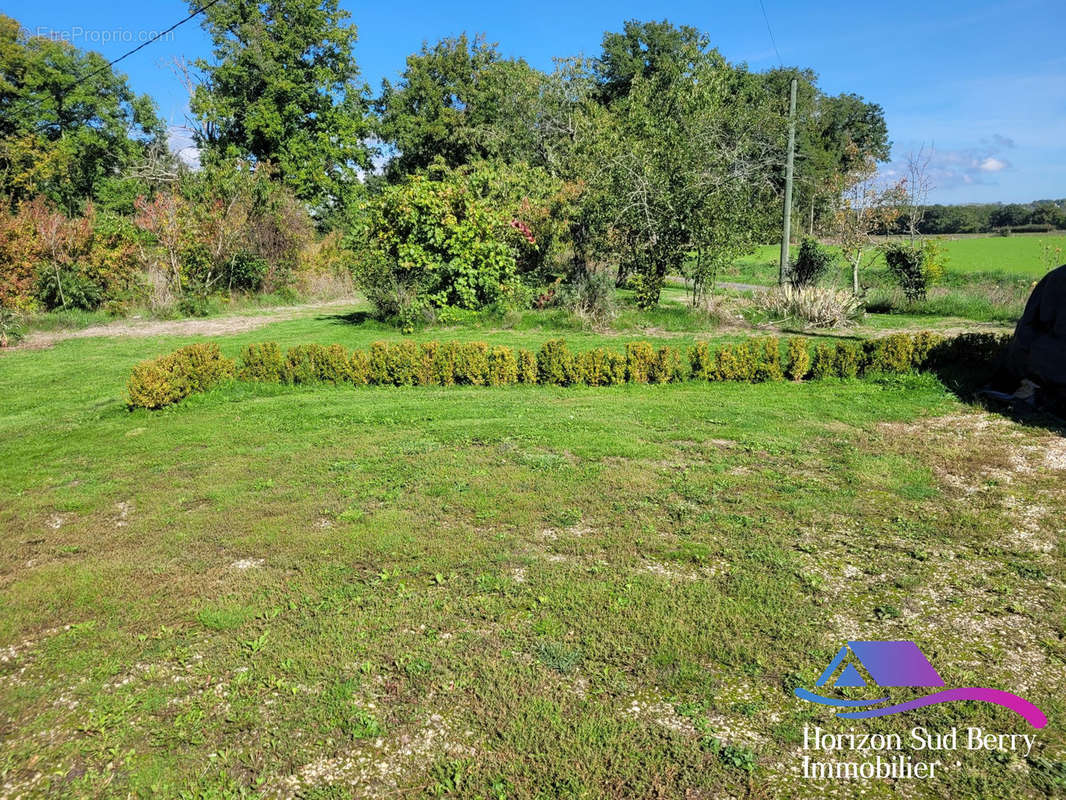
{"type": "Point", "coordinates": [517, 592]}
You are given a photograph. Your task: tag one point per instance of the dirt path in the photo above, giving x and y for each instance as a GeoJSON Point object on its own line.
{"type": "Point", "coordinates": [210, 326]}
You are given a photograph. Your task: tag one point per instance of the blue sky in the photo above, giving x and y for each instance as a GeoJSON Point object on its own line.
{"type": "Point", "coordinates": [984, 83]}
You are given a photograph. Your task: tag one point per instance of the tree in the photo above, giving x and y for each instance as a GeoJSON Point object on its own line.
{"type": "Point", "coordinates": [284, 87]}
{"type": "Point", "coordinates": [68, 122]}
{"type": "Point", "coordinates": [643, 50]}
{"type": "Point", "coordinates": [916, 187]}
{"type": "Point", "coordinates": [459, 102]}
{"type": "Point", "coordinates": [866, 205]}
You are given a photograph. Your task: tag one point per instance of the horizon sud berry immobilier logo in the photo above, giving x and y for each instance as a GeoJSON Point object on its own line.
{"type": "Point", "coordinates": [896, 664]}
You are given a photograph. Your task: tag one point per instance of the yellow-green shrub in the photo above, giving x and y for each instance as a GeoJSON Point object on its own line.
{"type": "Point", "coordinates": [263, 362]}
{"type": "Point", "coordinates": [892, 354]}
{"type": "Point", "coordinates": [640, 356]}
{"type": "Point", "coordinates": [925, 343]}
{"type": "Point", "coordinates": [315, 363]}
{"type": "Point", "coordinates": [503, 366]}
{"type": "Point", "coordinates": [403, 364]}
{"type": "Point", "coordinates": [442, 363]}
{"type": "Point", "coordinates": [824, 361]}
{"type": "Point", "coordinates": [701, 362]}
{"type": "Point", "coordinates": [766, 352]}
{"type": "Point", "coordinates": [527, 367]}
{"type": "Point", "coordinates": [359, 368]}
{"type": "Point", "coordinates": [555, 363]}
{"type": "Point", "coordinates": [666, 368]}
{"type": "Point", "coordinates": [472, 364]}
{"type": "Point", "coordinates": [173, 377]}
{"type": "Point", "coordinates": [799, 358]}
{"type": "Point", "coordinates": [594, 367]}
{"type": "Point", "coordinates": [849, 360]}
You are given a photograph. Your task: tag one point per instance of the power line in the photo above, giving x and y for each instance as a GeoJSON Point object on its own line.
{"type": "Point", "coordinates": [129, 53]}
{"type": "Point", "coordinates": [770, 31]}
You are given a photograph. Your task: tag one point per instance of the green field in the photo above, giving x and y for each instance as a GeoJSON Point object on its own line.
{"type": "Point", "coordinates": [503, 593]}
{"type": "Point", "coordinates": [968, 257]}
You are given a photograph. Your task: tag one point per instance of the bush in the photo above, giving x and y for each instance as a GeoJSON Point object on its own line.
{"type": "Point", "coordinates": [262, 362]}
{"type": "Point", "coordinates": [849, 360]}
{"type": "Point", "coordinates": [925, 342]}
{"type": "Point", "coordinates": [472, 364]}
{"type": "Point", "coordinates": [811, 264]}
{"type": "Point", "coordinates": [915, 268]}
{"type": "Point", "coordinates": [666, 368]}
{"type": "Point", "coordinates": [171, 378]}
{"type": "Point", "coordinates": [818, 308]}
{"type": "Point", "coordinates": [443, 359]}
{"type": "Point", "coordinates": [766, 353]}
{"type": "Point", "coordinates": [892, 354]}
{"type": "Point", "coordinates": [601, 367]}
{"type": "Point", "coordinates": [590, 296]}
{"type": "Point", "coordinates": [315, 363]}
{"type": "Point", "coordinates": [11, 326]}
{"type": "Point", "coordinates": [640, 360]}
{"type": "Point", "coordinates": [701, 362]}
{"type": "Point", "coordinates": [799, 358]}
{"type": "Point", "coordinates": [403, 364]}
{"type": "Point", "coordinates": [824, 361]}
{"type": "Point", "coordinates": [434, 244]}
{"type": "Point", "coordinates": [503, 367]}
{"type": "Point", "coordinates": [527, 367]}
{"type": "Point", "coordinates": [359, 368]}
{"type": "Point", "coordinates": [556, 364]}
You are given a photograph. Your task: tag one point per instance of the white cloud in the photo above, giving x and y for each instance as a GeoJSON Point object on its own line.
{"type": "Point", "coordinates": [992, 164]}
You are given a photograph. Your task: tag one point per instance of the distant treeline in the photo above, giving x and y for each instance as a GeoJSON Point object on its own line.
{"type": "Point", "coordinates": [1036, 217]}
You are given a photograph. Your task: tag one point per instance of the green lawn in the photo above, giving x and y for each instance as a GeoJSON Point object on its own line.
{"type": "Point", "coordinates": [503, 593]}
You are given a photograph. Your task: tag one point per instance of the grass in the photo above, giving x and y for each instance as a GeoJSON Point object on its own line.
{"type": "Point", "coordinates": [524, 592]}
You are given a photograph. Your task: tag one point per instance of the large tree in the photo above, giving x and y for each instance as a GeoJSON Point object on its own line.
{"type": "Point", "coordinates": [283, 86]}
{"type": "Point", "coordinates": [68, 122]}
{"type": "Point", "coordinates": [459, 102]}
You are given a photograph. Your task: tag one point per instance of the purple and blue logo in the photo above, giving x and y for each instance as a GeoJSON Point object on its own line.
{"type": "Point", "coordinates": [892, 664]}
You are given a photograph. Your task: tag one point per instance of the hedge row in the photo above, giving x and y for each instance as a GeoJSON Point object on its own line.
{"type": "Point", "coordinates": [167, 380]}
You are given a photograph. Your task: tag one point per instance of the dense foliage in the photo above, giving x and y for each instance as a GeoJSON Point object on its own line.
{"type": "Point", "coordinates": [167, 380]}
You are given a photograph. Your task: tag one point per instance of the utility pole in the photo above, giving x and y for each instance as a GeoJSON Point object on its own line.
{"type": "Point", "coordinates": [786, 231]}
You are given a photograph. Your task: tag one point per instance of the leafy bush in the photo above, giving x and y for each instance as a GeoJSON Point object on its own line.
{"type": "Point", "coordinates": [601, 367]}
{"type": "Point", "coordinates": [171, 378]}
{"type": "Point", "coordinates": [556, 364]}
{"type": "Point", "coordinates": [472, 364]}
{"type": "Point", "coordinates": [925, 343]}
{"type": "Point", "coordinates": [666, 368]}
{"type": "Point", "coordinates": [527, 367]}
{"type": "Point", "coordinates": [378, 364]}
{"type": "Point", "coordinates": [811, 264]}
{"type": "Point", "coordinates": [11, 326]}
{"type": "Point", "coordinates": [503, 366]}
{"type": "Point", "coordinates": [818, 308]}
{"type": "Point", "coordinates": [404, 365]}
{"type": "Point", "coordinates": [799, 358]}
{"type": "Point", "coordinates": [915, 268]}
{"type": "Point", "coordinates": [640, 360]}
{"type": "Point", "coordinates": [767, 355]}
{"type": "Point", "coordinates": [590, 296]}
{"type": "Point", "coordinates": [443, 359]}
{"type": "Point", "coordinates": [315, 363]}
{"type": "Point", "coordinates": [824, 361]}
{"type": "Point", "coordinates": [892, 354]}
{"type": "Point", "coordinates": [359, 368]}
{"type": "Point", "coordinates": [850, 359]}
{"type": "Point", "coordinates": [701, 361]}
{"type": "Point", "coordinates": [262, 362]}
{"type": "Point", "coordinates": [426, 244]}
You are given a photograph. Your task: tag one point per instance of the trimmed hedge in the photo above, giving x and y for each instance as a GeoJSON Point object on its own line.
{"type": "Point", "coordinates": [197, 368]}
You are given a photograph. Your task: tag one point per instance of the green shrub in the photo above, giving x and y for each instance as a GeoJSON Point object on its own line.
{"type": "Point", "coordinates": [378, 364]}
{"type": "Point", "coordinates": [442, 364]}
{"type": "Point", "coordinates": [472, 364]}
{"type": "Point", "coordinates": [811, 264]}
{"type": "Point", "coordinates": [527, 367]}
{"type": "Point", "coordinates": [824, 361]}
{"type": "Point", "coordinates": [925, 342]}
{"type": "Point", "coordinates": [799, 358]}
{"type": "Point", "coordinates": [403, 364]}
{"type": "Point", "coordinates": [263, 362]}
{"type": "Point", "coordinates": [666, 368]}
{"type": "Point", "coordinates": [359, 368]}
{"type": "Point", "coordinates": [152, 385]}
{"type": "Point", "coordinates": [892, 354]}
{"type": "Point", "coordinates": [767, 354]}
{"type": "Point", "coordinates": [503, 367]}
{"type": "Point", "coordinates": [556, 364]}
{"type": "Point", "coordinates": [640, 358]}
{"type": "Point", "coordinates": [315, 363]}
{"type": "Point", "coordinates": [701, 362]}
{"type": "Point", "coordinates": [915, 268]}
{"type": "Point", "coordinates": [172, 378]}
{"type": "Point", "coordinates": [427, 354]}
{"type": "Point", "coordinates": [595, 367]}
{"type": "Point", "coordinates": [618, 368]}
{"type": "Point", "coordinates": [727, 364]}
{"type": "Point", "coordinates": [849, 359]}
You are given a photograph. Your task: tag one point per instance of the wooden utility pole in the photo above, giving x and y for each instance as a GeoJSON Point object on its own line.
{"type": "Point", "coordinates": [786, 232]}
